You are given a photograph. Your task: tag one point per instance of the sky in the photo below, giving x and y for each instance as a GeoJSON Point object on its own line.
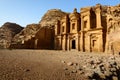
{"type": "Point", "coordinates": [25, 12]}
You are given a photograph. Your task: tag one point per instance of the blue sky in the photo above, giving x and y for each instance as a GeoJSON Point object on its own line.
{"type": "Point", "coordinates": [25, 12]}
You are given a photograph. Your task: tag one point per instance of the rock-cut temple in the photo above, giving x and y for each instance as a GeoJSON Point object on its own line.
{"type": "Point", "coordinates": [84, 31]}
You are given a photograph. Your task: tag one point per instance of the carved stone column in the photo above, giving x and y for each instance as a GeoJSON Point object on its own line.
{"type": "Point", "coordinates": [60, 42]}
{"type": "Point", "coordinates": [89, 46]}
{"type": "Point", "coordinates": [81, 41]}
{"type": "Point", "coordinates": [76, 37]}
{"type": "Point", "coordinates": [82, 23]}
{"type": "Point", "coordinates": [98, 18]}
{"type": "Point", "coordinates": [68, 43]}
{"type": "Point", "coordinates": [64, 43]}
{"type": "Point", "coordinates": [78, 42]}
{"type": "Point", "coordinates": [81, 36]}
{"type": "Point", "coordinates": [89, 22]}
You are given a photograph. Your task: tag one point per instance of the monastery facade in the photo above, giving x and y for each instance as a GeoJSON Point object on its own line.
{"type": "Point", "coordinates": [84, 31]}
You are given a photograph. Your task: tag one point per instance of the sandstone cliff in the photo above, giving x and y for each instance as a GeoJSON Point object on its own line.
{"type": "Point", "coordinates": [7, 32]}
{"type": "Point", "coordinates": [25, 35]}
{"type": "Point", "coordinates": [113, 28]}
{"type": "Point", "coordinates": [51, 16]}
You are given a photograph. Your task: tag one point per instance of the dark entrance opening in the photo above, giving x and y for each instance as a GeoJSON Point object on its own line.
{"type": "Point", "coordinates": [73, 44]}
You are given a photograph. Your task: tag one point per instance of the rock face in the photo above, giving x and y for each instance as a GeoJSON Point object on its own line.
{"type": "Point", "coordinates": [7, 32]}
{"type": "Point", "coordinates": [25, 37]}
{"type": "Point", "coordinates": [113, 29]}
{"type": "Point", "coordinates": [42, 33]}
{"type": "Point", "coordinates": [44, 38]}
{"type": "Point", "coordinates": [51, 16]}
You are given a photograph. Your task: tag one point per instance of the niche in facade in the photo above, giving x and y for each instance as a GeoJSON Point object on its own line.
{"type": "Point", "coordinates": [85, 24]}
{"type": "Point", "coordinates": [73, 26]}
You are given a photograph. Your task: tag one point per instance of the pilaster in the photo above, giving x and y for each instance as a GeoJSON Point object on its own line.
{"type": "Point", "coordinates": [89, 22]}
{"type": "Point", "coordinates": [89, 46]}
{"type": "Point", "coordinates": [98, 16]}
{"type": "Point", "coordinates": [81, 41]}
{"type": "Point", "coordinates": [68, 43]}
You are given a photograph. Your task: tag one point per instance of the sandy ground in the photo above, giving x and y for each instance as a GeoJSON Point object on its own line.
{"type": "Point", "coordinates": [48, 64]}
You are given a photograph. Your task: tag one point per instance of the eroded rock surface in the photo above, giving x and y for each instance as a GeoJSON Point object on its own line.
{"type": "Point", "coordinates": [51, 16]}
{"type": "Point", "coordinates": [113, 29]}
{"type": "Point", "coordinates": [28, 36]}
{"type": "Point", "coordinates": [7, 32]}
{"type": "Point", "coordinates": [25, 37]}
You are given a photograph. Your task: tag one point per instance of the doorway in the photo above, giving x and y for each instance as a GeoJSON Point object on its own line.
{"type": "Point", "coordinates": [94, 46]}
{"type": "Point", "coordinates": [73, 44]}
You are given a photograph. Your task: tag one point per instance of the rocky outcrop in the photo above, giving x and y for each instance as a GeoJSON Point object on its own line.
{"type": "Point", "coordinates": [113, 29]}
{"type": "Point", "coordinates": [45, 29]}
{"type": "Point", "coordinates": [51, 16]}
{"type": "Point", "coordinates": [25, 37]}
{"type": "Point", "coordinates": [7, 32]}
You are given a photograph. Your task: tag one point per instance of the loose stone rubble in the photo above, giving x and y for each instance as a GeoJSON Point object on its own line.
{"type": "Point", "coordinates": [96, 67]}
